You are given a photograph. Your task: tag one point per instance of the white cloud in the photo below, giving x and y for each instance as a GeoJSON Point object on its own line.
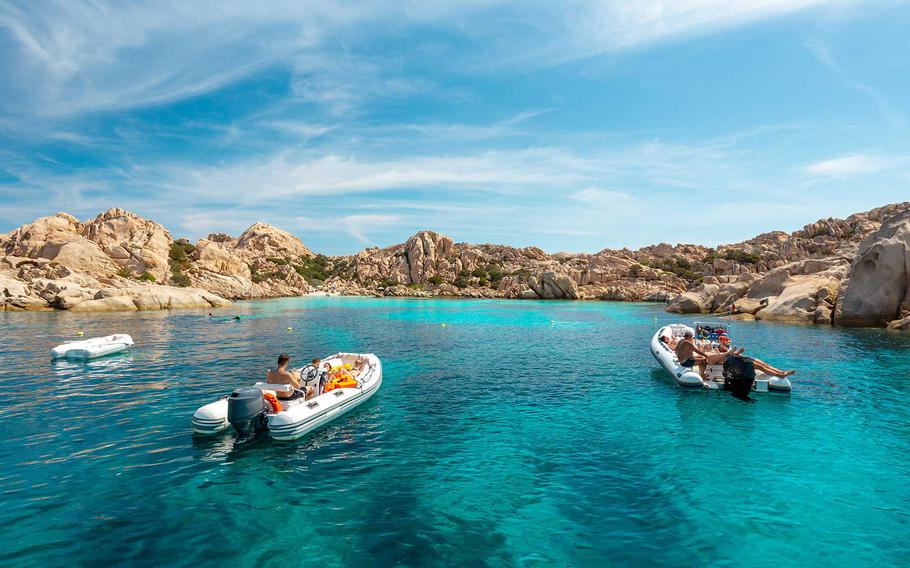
{"type": "Point", "coordinates": [357, 225]}
{"type": "Point", "coordinates": [75, 56]}
{"type": "Point", "coordinates": [595, 196]}
{"type": "Point", "coordinates": [844, 166]}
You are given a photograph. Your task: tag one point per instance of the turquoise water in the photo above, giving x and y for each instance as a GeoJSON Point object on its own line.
{"type": "Point", "coordinates": [498, 439]}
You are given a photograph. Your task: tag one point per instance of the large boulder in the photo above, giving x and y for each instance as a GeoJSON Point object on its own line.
{"type": "Point", "coordinates": [155, 297]}
{"type": "Point", "coordinates": [696, 301]}
{"type": "Point", "coordinates": [803, 299]}
{"type": "Point", "coordinates": [552, 286]}
{"type": "Point", "coordinates": [133, 243]}
{"type": "Point", "coordinates": [876, 290]}
{"type": "Point", "coordinates": [423, 252]}
{"type": "Point", "coordinates": [59, 238]}
{"type": "Point", "coordinates": [264, 240]}
{"type": "Point", "coordinates": [17, 295]}
{"type": "Point", "coordinates": [106, 304]}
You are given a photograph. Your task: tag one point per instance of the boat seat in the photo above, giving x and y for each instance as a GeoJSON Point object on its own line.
{"type": "Point", "coordinates": [283, 389]}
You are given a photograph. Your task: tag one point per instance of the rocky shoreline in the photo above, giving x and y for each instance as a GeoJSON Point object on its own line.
{"type": "Point", "coordinates": [852, 271]}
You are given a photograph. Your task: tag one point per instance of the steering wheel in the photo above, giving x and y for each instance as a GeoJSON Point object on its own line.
{"type": "Point", "coordinates": [308, 373]}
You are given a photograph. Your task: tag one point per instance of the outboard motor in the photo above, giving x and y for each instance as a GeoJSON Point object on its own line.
{"type": "Point", "coordinates": [246, 411]}
{"type": "Point", "coordinates": [739, 375]}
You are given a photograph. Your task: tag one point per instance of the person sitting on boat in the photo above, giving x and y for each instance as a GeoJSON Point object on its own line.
{"type": "Point", "coordinates": [723, 351]}
{"type": "Point", "coordinates": [323, 374]}
{"type": "Point", "coordinates": [281, 376]}
{"type": "Point", "coordinates": [768, 369]}
{"type": "Point", "coordinates": [686, 351]}
{"type": "Point", "coordinates": [668, 341]}
{"type": "Point", "coordinates": [360, 364]}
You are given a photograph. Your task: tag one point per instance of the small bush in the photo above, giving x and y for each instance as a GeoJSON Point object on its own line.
{"type": "Point", "coordinates": [435, 280]}
{"type": "Point", "coordinates": [479, 273]}
{"type": "Point", "coordinates": [415, 286]}
{"type": "Point", "coordinates": [178, 260]}
{"type": "Point", "coordinates": [180, 279]}
{"type": "Point", "coordinates": [125, 273]}
{"type": "Point", "coordinates": [316, 270]}
{"type": "Point", "coordinates": [494, 274]}
{"type": "Point", "coordinates": [741, 256]}
{"type": "Point", "coordinates": [278, 260]}
{"type": "Point", "coordinates": [147, 277]}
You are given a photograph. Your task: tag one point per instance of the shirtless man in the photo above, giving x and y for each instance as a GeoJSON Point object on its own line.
{"type": "Point", "coordinates": [281, 376]}
{"type": "Point", "coordinates": [685, 352]}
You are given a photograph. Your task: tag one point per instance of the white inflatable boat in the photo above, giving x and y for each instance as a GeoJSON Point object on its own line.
{"type": "Point", "coordinates": [253, 409]}
{"type": "Point", "coordinates": [708, 337]}
{"type": "Point", "coordinates": [94, 347]}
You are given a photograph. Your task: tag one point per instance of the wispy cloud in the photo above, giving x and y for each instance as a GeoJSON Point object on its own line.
{"type": "Point", "coordinates": [825, 56]}
{"type": "Point", "coordinates": [600, 197]}
{"type": "Point", "coordinates": [76, 56]}
{"type": "Point", "coordinates": [855, 164]}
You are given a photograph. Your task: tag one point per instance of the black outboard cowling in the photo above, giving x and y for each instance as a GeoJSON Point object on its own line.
{"type": "Point", "coordinates": [246, 411]}
{"type": "Point", "coordinates": [739, 375]}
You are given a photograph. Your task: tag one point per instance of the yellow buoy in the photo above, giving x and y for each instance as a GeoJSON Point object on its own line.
{"type": "Point", "coordinates": [79, 333]}
{"type": "Point", "coordinates": [290, 328]}
{"type": "Point", "coordinates": [443, 325]}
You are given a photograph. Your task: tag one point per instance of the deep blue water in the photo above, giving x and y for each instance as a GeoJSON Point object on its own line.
{"type": "Point", "coordinates": [498, 439]}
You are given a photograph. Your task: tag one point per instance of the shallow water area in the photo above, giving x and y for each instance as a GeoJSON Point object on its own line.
{"type": "Point", "coordinates": [505, 433]}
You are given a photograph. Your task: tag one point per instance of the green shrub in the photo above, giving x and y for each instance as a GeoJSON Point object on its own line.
{"type": "Point", "coordinates": [180, 279]}
{"type": "Point", "coordinates": [415, 286]}
{"type": "Point", "coordinates": [316, 270]}
{"type": "Point", "coordinates": [461, 282]}
{"type": "Point", "coordinates": [494, 274]}
{"type": "Point", "coordinates": [741, 256]}
{"type": "Point", "coordinates": [125, 273]}
{"type": "Point", "coordinates": [147, 277]}
{"type": "Point", "coordinates": [479, 273]}
{"type": "Point", "coordinates": [178, 260]}
{"type": "Point", "coordinates": [435, 280]}
{"type": "Point", "coordinates": [278, 260]}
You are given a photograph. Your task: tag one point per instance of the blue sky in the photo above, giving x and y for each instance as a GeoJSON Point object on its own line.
{"type": "Point", "coordinates": [572, 126]}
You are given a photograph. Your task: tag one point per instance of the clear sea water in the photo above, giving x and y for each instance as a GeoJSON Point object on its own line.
{"type": "Point", "coordinates": [518, 434]}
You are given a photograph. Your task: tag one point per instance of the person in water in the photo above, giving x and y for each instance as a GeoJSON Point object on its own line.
{"type": "Point", "coordinates": [281, 376]}
{"type": "Point", "coordinates": [689, 354]}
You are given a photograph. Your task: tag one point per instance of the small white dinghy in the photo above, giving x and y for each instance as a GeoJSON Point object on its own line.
{"type": "Point", "coordinates": [94, 347]}
{"type": "Point", "coordinates": [250, 411]}
{"type": "Point", "coordinates": [689, 377]}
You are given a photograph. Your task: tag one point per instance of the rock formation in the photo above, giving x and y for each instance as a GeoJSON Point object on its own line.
{"type": "Point", "coordinates": [120, 261]}
{"type": "Point", "coordinates": [877, 288]}
{"type": "Point", "coordinates": [847, 272]}
{"type": "Point", "coordinates": [852, 271]}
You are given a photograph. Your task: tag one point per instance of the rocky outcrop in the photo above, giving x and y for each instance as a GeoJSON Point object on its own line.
{"type": "Point", "coordinates": [263, 262]}
{"type": "Point", "coordinates": [852, 271]}
{"type": "Point", "coordinates": [134, 244]}
{"type": "Point", "coordinates": [846, 271]}
{"type": "Point", "coordinates": [264, 240]}
{"type": "Point", "coordinates": [877, 288]}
